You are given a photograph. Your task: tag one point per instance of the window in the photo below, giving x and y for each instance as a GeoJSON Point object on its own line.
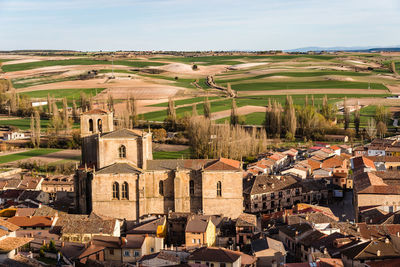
{"type": "Point", "coordinates": [280, 194]}
{"type": "Point", "coordinates": [122, 151]}
{"type": "Point", "coordinates": [97, 256]}
{"type": "Point", "coordinates": [90, 125]}
{"type": "Point", "coordinates": [125, 191]}
{"type": "Point", "coordinates": [126, 253]}
{"type": "Point", "coordinates": [111, 251]}
{"type": "Point", "coordinates": [115, 190]}
{"type": "Point", "coordinates": [136, 253]}
{"type": "Point", "coordinates": [198, 241]}
{"type": "Point", "coordinates": [191, 187]}
{"type": "Point", "coordinates": [100, 125]}
{"type": "Point", "coordinates": [151, 250]}
{"type": "Point", "coordinates": [161, 188]}
{"type": "Point", "coordinates": [219, 189]}
{"type": "Point", "coordinates": [193, 241]}
{"type": "Point", "coordinates": [272, 195]}
{"type": "Point", "coordinates": [222, 265]}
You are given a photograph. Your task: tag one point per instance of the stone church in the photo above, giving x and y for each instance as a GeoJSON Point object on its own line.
{"type": "Point", "coordinates": [119, 178]}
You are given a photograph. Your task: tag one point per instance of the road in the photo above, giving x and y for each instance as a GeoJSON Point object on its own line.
{"type": "Point", "coordinates": [344, 209]}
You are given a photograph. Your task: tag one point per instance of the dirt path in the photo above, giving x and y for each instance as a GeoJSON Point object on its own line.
{"type": "Point", "coordinates": [241, 111]}
{"type": "Point", "coordinates": [312, 91]}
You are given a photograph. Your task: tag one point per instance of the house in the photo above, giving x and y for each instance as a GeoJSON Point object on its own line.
{"type": "Point", "coordinates": [270, 193]}
{"type": "Point", "coordinates": [298, 171]}
{"type": "Point", "coordinates": [200, 231]}
{"type": "Point", "coordinates": [376, 150]}
{"type": "Point", "coordinates": [54, 184]}
{"type": "Point", "coordinates": [305, 242]}
{"type": "Point", "coordinates": [378, 189]}
{"type": "Point", "coordinates": [362, 164]}
{"type": "Point", "coordinates": [336, 149]}
{"type": "Point", "coordinates": [345, 149]}
{"type": "Point", "coordinates": [246, 226]}
{"type": "Point", "coordinates": [360, 151]}
{"type": "Point", "coordinates": [10, 244]}
{"type": "Point", "coordinates": [156, 227]}
{"type": "Point", "coordinates": [290, 235]}
{"type": "Point", "coordinates": [36, 197]}
{"type": "Point", "coordinates": [82, 228]}
{"type": "Point", "coordinates": [13, 136]}
{"type": "Point", "coordinates": [33, 222]}
{"type": "Point", "coordinates": [162, 258]}
{"type": "Point", "coordinates": [116, 250]}
{"type": "Point", "coordinates": [268, 251]}
{"type": "Point", "coordinates": [322, 173]}
{"type": "Point", "coordinates": [220, 257]}
{"type": "Point", "coordinates": [373, 250]}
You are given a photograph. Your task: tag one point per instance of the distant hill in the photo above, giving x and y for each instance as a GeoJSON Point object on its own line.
{"type": "Point", "coordinates": [343, 48]}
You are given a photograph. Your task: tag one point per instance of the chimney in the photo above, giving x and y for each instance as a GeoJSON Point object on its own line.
{"type": "Point", "coordinates": [386, 240]}
{"type": "Point", "coordinates": [62, 244]}
{"type": "Point", "coordinates": [44, 242]}
{"type": "Point", "coordinates": [172, 247]}
{"type": "Point", "coordinates": [378, 253]}
{"type": "Point", "coordinates": [296, 233]}
{"type": "Point", "coordinates": [325, 251]}
{"type": "Point", "coordinates": [398, 234]}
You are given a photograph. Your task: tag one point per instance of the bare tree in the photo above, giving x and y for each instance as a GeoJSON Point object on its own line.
{"type": "Point", "coordinates": [381, 129]}
{"type": "Point", "coordinates": [234, 113]}
{"type": "Point", "coordinates": [207, 108]}
{"type": "Point", "coordinates": [290, 121]}
{"type": "Point", "coordinates": [37, 128]}
{"type": "Point", "coordinates": [371, 129]}
{"type": "Point", "coordinates": [194, 110]}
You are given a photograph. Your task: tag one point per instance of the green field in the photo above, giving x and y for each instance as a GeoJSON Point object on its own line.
{"type": "Point", "coordinates": [248, 100]}
{"type": "Point", "coordinates": [172, 155]}
{"type": "Point", "coordinates": [27, 154]}
{"type": "Point", "coordinates": [22, 83]}
{"type": "Point", "coordinates": [70, 94]}
{"type": "Point", "coordinates": [257, 86]}
{"type": "Point", "coordinates": [24, 124]}
{"type": "Point", "coordinates": [78, 61]}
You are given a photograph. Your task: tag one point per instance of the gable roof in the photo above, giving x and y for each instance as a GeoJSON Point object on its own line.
{"type": "Point", "coordinates": [264, 184]}
{"type": "Point", "coordinates": [33, 221]}
{"type": "Point", "coordinates": [197, 224]}
{"type": "Point", "coordinates": [148, 227]}
{"type": "Point", "coordinates": [295, 229]}
{"type": "Point", "coordinates": [246, 219]}
{"type": "Point", "coordinates": [221, 164]}
{"type": "Point", "coordinates": [123, 133]}
{"type": "Point", "coordinates": [215, 255]}
{"type": "Point", "coordinates": [97, 111]}
{"type": "Point", "coordinates": [119, 168]}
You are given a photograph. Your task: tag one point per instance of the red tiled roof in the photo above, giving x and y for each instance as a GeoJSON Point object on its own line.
{"type": "Point", "coordinates": [334, 147]}
{"type": "Point", "coordinates": [33, 221]}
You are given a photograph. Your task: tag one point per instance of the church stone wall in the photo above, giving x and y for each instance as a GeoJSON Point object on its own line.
{"type": "Point", "coordinates": [230, 203]}
{"type": "Point", "coordinates": [102, 196]}
{"type": "Point", "coordinates": [109, 151]}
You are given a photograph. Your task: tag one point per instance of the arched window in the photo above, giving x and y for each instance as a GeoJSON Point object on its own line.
{"type": "Point", "coordinates": [191, 187]}
{"type": "Point", "coordinates": [125, 191]}
{"type": "Point", "coordinates": [122, 151]}
{"type": "Point", "coordinates": [219, 189]}
{"type": "Point", "coordinates": [115, 190]}
{"type": "Point", "coordinates": [161, 188]}
{"type": "Point", "coordinates": [100, 125]}
{"type": "Point", "coordinates": [90, 125]}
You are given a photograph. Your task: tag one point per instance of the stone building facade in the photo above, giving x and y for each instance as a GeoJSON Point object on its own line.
{"type": "Point", "coordinates": [119, 178]}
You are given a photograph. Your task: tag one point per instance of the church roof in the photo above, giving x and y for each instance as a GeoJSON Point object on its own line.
{"type": "Point", "coordinates": [119, 168]}
{"type": "Point", "coordinates": [194, 164]}
{"type": "Point", "coordinates": [97, 111]}
{"type": "Point", "coordinates": [122, 133]}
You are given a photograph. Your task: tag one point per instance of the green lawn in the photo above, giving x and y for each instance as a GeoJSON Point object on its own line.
{"type": "Point", "coordinates": [70, 94]}
{"type": "Point", "coordinates": [78, 61]}
{"type": "Point", "coordinates": [27, 154]}
{"type": "Point", "coordinates": [305, 85]}
{"type": "Point", "coordinates": [172, 155]}
{"type": "Point", "coordinates": [24, 124]}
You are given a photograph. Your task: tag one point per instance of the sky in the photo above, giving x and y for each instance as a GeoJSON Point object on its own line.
{"type": "Point", "coordinates": [194, 25]}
